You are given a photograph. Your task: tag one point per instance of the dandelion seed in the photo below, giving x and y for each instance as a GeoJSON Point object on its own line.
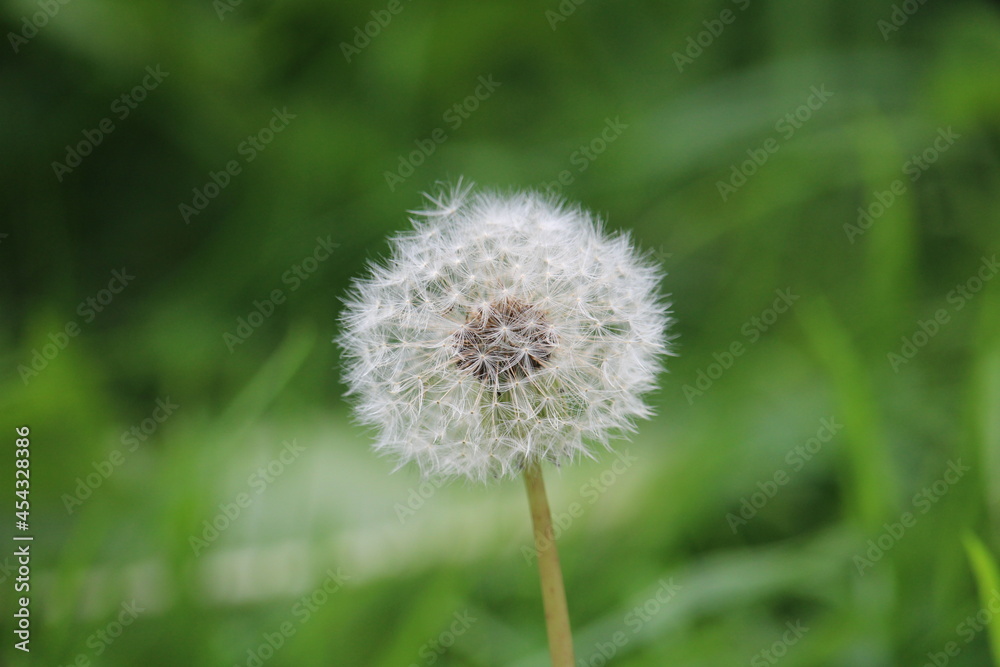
{"type": "Point", "coordinates": [511, 309]}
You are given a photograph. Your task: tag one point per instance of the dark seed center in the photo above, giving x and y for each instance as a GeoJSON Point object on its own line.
{"type": "Point", "coordinates": [504, 341]}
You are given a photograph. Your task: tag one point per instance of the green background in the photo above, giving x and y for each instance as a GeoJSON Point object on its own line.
{"type": "Point", "coordinates": [412, 557]}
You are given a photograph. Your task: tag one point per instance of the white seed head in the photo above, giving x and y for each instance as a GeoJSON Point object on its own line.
{"type": "Point", "coordinates": [501, 331]}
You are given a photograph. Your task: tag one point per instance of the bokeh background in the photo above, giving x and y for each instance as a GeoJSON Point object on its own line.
{"type": "Point", "coordinates": [809, 500]}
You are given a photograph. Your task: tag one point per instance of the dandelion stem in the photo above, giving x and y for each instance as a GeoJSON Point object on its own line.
{"type": "Point", "coordinates": [553, 591]}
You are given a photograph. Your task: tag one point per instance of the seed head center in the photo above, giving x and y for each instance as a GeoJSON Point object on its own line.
{"type": "Point", "coordinates": [503, 341]}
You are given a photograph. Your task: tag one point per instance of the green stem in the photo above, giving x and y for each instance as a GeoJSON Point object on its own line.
{"type": "Point", "coordinates": [553, 591]}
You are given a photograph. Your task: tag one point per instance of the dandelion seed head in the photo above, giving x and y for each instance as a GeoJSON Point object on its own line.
{"type": "Point", "coordinates": [502, 330]}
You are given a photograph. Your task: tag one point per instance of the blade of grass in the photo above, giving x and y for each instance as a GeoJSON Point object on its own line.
{"type": "Point", "coordinates": [984, 567]}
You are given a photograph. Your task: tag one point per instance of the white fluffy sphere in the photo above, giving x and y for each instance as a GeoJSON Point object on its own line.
{"type": "Point", "coordinates": [502, 330]}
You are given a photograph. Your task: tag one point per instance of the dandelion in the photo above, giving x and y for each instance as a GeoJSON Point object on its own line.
{"type": "Point", "coordinates": [502, 332]}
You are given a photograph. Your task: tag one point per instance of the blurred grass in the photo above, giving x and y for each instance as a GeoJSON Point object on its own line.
{"type": "Point", "coordinates": [459, 549]}
{"type": "Point", "coordinates": [984, 566]}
